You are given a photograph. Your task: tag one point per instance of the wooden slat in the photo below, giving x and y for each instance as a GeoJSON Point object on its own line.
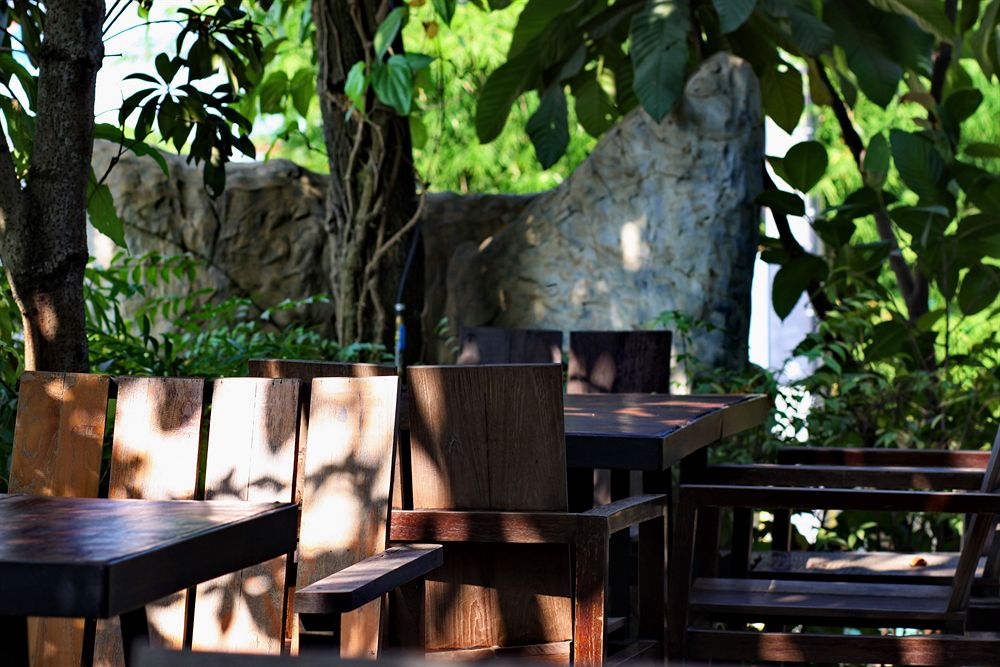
{"type": "Point", "coordinates": [481, 438]}
{"type": "Point", "coordinates": [855, 566]}
{"type": "Point", "coordinates": [251, 456]}
{"type": "Point", "coordinates": [346, 490]}
{"type": "Point", "coordinates": [557, 653]}
{"type": "Point", "coordinates": [846, 476]}
{"type": "Point", "coordinates": [491, 345]}
{"type": "Point", "coordinates": [308, 370]}
{"type": "Point", "coordinates": [154, 456]}
{"type": "Point", "coordinates": [757, 599]}
{"type": "Point", "coordinates": [619, 362]}
{"type": "Point", "coordinates": [58, 437]}
{"type": "Point", "coordinates": [810, 647]}
{"type": "Point", "coordinates": [869, 456]}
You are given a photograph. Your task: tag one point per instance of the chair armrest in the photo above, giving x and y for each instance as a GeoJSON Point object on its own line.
{"type": "Point", "coordinates": [621, 514]}
{"type": "Point", "coordinates": [844, 476]}
{"type": "Point", "coordinates": [771, 497]}
{"type": "Point", "coordinates": [872, 456]}
{"type": "Point", "coordinates": [369, 579]}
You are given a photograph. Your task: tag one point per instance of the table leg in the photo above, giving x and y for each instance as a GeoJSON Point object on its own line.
{"type": "Point", "coordinates": [707, 531]}
{"type": "Point", "coordinates": [14, 640]}
{"type": "Point", "coordinates": [89, 642]}
{"type": "Point", "coordinates": [135, 628]}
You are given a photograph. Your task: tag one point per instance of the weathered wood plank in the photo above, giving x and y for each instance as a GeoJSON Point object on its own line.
{"type": "Point", "coordinates": [58, 436]}
{"type": "Point", "coordinates": [346, 490]}
{"type": "Point", "coordinates": [491, 345]}
{"type": "Point", "coordinates": [252, 442]}
{"type": "Point", "coordinates": [619, 362]}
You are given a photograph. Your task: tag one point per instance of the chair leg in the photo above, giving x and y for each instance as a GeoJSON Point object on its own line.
{"type": "Point", "coordinates": [621, 564]}
{"type": "Point", "coordinates": [14, 639]}
{"type": "Point", "coordinates": [742, 541]}
{"type": "Point", "coordinates": [406, 617]}
{"type": "Point", "coordinates": [590, 631]}
{"type": "Point", "coordinates": [680, 580]}
{"type": "Point", "coordinates": [652, 581]}
{"type": "Point", "coordinates": [135, 629]}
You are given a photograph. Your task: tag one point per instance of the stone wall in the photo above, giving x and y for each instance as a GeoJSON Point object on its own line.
{"type": "Point", "coordinates": [659, 217]}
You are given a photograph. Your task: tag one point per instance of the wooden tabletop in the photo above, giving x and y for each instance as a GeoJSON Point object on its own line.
{"type": "Point", "coordinates": [92, 557]}
{"type": "Point", "coordinates": [652, 431]}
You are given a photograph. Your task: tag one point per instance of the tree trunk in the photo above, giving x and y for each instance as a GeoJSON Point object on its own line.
{"type": "Point", "coordinates": [43, 227]}
{"type": "Point", "coordinates": [371, 204]}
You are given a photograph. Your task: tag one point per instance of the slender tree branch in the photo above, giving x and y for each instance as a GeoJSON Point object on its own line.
{"type": "Point", "coordinates": [942, 59]}
{"type": "Point", "coordinates": [912, 284]}
{"type": "Point", "coordinates": [108, 24]}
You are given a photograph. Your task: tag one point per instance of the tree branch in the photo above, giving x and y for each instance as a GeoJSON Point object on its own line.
{"type": "Point", "coordinates": [912, 284]}
{"type": "Point", "coordinates": [942, 59]}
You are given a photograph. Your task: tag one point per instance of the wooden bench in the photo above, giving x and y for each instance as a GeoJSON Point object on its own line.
{"type": "Point", "coordinates": [252, 451]}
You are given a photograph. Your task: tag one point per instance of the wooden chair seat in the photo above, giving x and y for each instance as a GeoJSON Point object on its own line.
{"type": "Point", "coordinates": [887, 566]}
{"type": "Point", "coordinates": [805, 601]}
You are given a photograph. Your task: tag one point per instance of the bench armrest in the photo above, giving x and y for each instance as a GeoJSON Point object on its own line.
{"type": "Point", "coordinates": [772, 497]}
{"type": "Point", "coordinates": [878, 456]}
{"type": "Point", "coordinates": [369, 579]}
{"type": "Point", "coordinates": [627, 512]}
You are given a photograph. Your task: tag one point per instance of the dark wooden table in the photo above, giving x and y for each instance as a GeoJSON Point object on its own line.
{"type": "Point", "coordinates": [97, 558]}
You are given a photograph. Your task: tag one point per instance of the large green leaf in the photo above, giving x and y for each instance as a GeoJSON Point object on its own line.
{"type": "Point", "coordinates": [792, 279]}
{"type": "Point", "coordinates": [982, 150]}
{"type": "Point", "coordinates": [979, 290]}
{"type": "Point", "coordinates": [876, 162]}
{"type": "Point", "coordinates": [354, 88]}
{"type": "Point", "coordinates": [548, 127]}
{"type": "Point", "coordinates": [387, 30]}
{"type": "Point", "coordinates": [920, 165]}
{"type": "Point", "coordinates": [445, 9]}
{"type": "Point", "coordinates": [868, 55]}
{"type": "Point", "coordinates": [804, 164]}
{"type": "Point", "coordinates": [498, 94]}
{"type": "Point", "coordinates": [659, 54]}
{"type": "Point", "coordinates": [984, 42]}
{"type": "Point", "coordinates": [733, 13]}
{"type": "Point", "coordinates": [779, 201]}
{"type": "Point", "coordinates": [303, 89]}
{"type": "Point", "coordinates": [928, 14]}
{"type": "Point", "coordinates": [393, 83]}
{"type": "Point", "coordinates": [534, 19]}
{"type": "Point", "coordinates": [101, 209]}
{"type": "Point", "coordinates": [808, 32]}
{"type": "Point", "coordinates": [783, 97]}
{"type": "Point", "coordinates": [594, 108]}
{"type": "Point", "coordinates": [272, 92]}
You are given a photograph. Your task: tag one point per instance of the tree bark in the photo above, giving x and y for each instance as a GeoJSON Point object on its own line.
{"type": "Point", "coordinates": [371, 204]}
{"type": "Point", "coordinates": [43, 242]}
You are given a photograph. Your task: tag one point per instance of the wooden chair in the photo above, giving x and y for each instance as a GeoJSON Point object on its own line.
{"type": "Point", "coordinates": [488, 478]}
{"type": "Point", "coordinates": [252, 452]}
{"type": "Point", "coordinates": [491, 345]}
{"type": "Point", "coordinates": [698, 601]}
{"type": "Point", "coordinates": [619, 362]}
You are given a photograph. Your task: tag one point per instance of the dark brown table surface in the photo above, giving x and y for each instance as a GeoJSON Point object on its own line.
{"type": "Point", "coordinates": [652, 431]}
{"type": "Point", "coordinates": [91, 557]}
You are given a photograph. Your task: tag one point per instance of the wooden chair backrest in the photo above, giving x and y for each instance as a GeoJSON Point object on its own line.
{"type": "Point", "coordinates": [347, 486]}
{"type": "Point", "coordinates": [58, 437]}
{"type": "Point", "coordinates": [980, 530]}
{"type": "Point", "coordinates": [307, 370]}
{"type": "Point", "coordinates": [493, 345]}
{"type": "Point", "coordinates": [619, 362]}
{"type": "Point", "coordinates": [491, 438]}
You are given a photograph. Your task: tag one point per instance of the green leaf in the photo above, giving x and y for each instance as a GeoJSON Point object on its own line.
{"type": "Point", "coordinates": [733, 13]}
{"type": "Point", "coordinates": [659, 54]}
{"type": "Point", "coordinates": [167, 67]}
{"type": "Point", "coordinates": [804, 164]}
{"type": "Point", "coordinates": [982, 150]}
{"type": "Point", "coordinates": [962, 103]}
{"type": "Point", "coordinates": [784, 100]}
{"type": "Point", "coordinates": [498, 94]}
{"type": "Point", "coordinates": [303, 89]}
{"type": "Point", "coordinates": [418, 61]}
{"type": "Point", "coordinates": [393, 84]}
{"type": "Point", "coordinates": [979, 290]}
{"type": "Point", "coordinates": [792, 279]}
{"type": "Point", "coordinates": [445, 9]}
{"type": "Point", "coordinates": [533, 20]}
{"type": "Point", "coordinates": [355, 86]}
{"type": "Point", "coordinates": [928, 14]}
{"type": "Point", "coordinates": [101, 209]}
{"type": "Point", "coordinates": [983, 40]}
{"type": "Point", "coordinates": [876, 162]}
{"type": "Point", "coordinates": [780, 201]}
{"type": "Point", "coordinates": [920, 165]}
{"type": "Point", "coordinates": [594, 108]}
{"type": "Point", "coordinates": [808, 32]}
{"type": "Point", "coordinates": [548, 127]}
{"type": "Point", "coordinates": [418, 132]}
{"type": "Point", "coordinates": [888, 338]}
{"type": "Point", "coordinates": [388, 29]}
{"type": "Point", "coordinates": [272, 92]}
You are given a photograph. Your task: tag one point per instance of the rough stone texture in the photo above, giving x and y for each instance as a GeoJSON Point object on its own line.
{"type": "Point", "coordinates": [263, 238]}
{"type": "Point", "coordinates": [659, 217]}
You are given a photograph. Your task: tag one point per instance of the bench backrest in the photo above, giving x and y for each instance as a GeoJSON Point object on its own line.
{"type": "Point", "coordinates": [491, 438]}
{"type": "Point", "coordinates": [251, 452]}
{"type": "Point", "coordinates": [493, 345]}
{"type": "Point", "coordinates": [619, 362]}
